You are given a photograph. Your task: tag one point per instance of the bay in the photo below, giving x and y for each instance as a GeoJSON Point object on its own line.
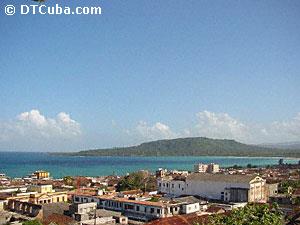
{"type": "Point", "coordinates": [20, 164]}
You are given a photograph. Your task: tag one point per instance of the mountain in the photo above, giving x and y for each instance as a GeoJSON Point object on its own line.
{"type": "Point", "coordinates": [196, 146]}
{"type": "Point", "coordinates": [284, 145]}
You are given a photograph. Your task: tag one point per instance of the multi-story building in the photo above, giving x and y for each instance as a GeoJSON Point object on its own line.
{"type": "Point", "coordinates": [206, 168]}
{"type": "Point", "coordinates": [200, 168]}
{"type": "Point", "coordinates": [228, 188]}
{"type": "Point", "coordinates": [213, 168]}
{"type": "Point", "coordinates": [40, 194]}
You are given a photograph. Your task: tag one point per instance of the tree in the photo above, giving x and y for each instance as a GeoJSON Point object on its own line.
{"type": "Point", "coordinates": [250, 215]}
{"type": "Point", "coordinates": [68, 180]}
{"type": "Point", "coordinates": [137, 180]}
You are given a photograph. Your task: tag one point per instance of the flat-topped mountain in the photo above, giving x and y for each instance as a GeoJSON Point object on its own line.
{"type": "Point", "coordinates": [194, 146]}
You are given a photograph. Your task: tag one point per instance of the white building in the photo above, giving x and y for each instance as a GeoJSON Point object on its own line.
{"type": "Point", "coordinates": [206, 168]}
{"type": "Point", "coordinates": [229, 188]}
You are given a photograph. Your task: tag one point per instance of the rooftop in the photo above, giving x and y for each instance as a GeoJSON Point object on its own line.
{"type": "Point", "coordinates": [228, 178]}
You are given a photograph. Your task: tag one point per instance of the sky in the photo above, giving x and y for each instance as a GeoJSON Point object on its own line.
{"type": "Point", "coordinates": [146, 70]}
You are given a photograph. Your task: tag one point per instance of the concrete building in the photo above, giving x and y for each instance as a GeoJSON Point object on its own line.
{"type": "Point", "coordinates": [200, 168]}
{"type": "Point", "coordinates": [206, 168]}
{"type": "Point", "coordinates": [228, 188]}
{"type": "Point", "coordinates": [142, 210]}
{"type": "Point", "coordinates": [213, 168]}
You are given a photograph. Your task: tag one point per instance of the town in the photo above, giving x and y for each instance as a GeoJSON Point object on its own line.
{"type": "Point", "coordinates": [142, 197]}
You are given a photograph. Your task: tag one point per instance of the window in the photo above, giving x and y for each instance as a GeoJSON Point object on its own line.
{"type": "Point", "coordinates": [167, 185]}
{"type": "Point", "coordinates": [158, 211]}
{"type": "Point", "coordinates": [152, 210]}
{"type": "Point", "coordinates": [172, 185]}
{"type": "Point", "coordinates": [57, 199]}
{"type": "Point", "coordinates": [137, 208]}
{"type": "Point", "coordinates": [159, 184]}
{"type": "Point", "coordinates": [130, 207]}
{"type": "Point", "coordinates": [178, 185]}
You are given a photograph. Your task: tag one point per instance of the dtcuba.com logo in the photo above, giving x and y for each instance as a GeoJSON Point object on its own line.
{"type": "Point", "coordinates": [51, 10]}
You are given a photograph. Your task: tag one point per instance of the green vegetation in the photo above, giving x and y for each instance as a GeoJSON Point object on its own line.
{"type": "Point", "coordinates": [154, 199]}
{"type": "Point", "coordinates": [287, 186]}
{"type": "Point", "coordinates": [249, 215]}
{"type": "Point", "coordinates": [198, 146]}
{"type": "Point", "coordinates": [137, 181]}
{"type": "Point", "coordinates": [68, 180]}
{"type": "Point", "coordinates": [32, 222]}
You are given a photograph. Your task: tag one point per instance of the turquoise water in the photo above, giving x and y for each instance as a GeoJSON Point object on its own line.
{"type": "Point", "coordinates": [16, 164]}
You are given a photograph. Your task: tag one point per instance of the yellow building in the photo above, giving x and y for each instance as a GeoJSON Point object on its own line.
{"type": "Point", "coordinates": [46, 188]}
{"type": "Point", "coordinates": [45, 198]}
{"type": "Point", "coordinates": [41, 174]}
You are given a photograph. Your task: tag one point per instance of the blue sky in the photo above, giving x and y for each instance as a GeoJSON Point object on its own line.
{"type": "Point", "coordinates": [146, 70]}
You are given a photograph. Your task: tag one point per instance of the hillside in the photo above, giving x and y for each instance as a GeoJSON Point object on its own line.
{"type": "Point", "coordinates": [285, 145]}
{"type": "Point", "coordinates": [197, 146]}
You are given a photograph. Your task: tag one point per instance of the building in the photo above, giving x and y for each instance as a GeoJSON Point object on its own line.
{"type": "Point", "coordinates": [42, 198]}
{"type": "Point", "coordinates": [41, 188]}
{"type": "Point", "coordinates": [206, 168]}
{"type": "Point", "coordinates": [228, 188]}
{"type": "Point", "coordinates": [213, 168]}
{"type": "Point", "coordinates": [200, 168]}
{"type": "Point", "coordinates": [41, 174]}
{"type": "Point", "coordinates": [143, 209]}
{"type": "Point", "coordinates": [41, 194]}
{"type": "Point", "coordinates": [271, 190]}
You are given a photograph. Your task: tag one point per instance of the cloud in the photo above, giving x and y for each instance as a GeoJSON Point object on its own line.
{"type": "Point", "coordinates": [219, 125]}
{"type": "Point", "coordinates": [32, 128]}
{"type": "Point", "coordinates": [282, 131]}
{"type": "Point", "coordinates": [155, 131]}
{"type": "Point", "coordinates": [222, 125]}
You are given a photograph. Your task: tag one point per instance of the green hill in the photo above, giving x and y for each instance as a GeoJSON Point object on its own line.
{"type": "Point", "coordinates": [196, 146]}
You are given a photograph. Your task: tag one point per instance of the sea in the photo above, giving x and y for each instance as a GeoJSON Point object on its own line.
{"type": "Point", "coordinates": [20, 164]}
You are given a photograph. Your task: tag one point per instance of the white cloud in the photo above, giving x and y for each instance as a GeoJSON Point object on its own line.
{"type": "Point", "coordinates": [282, 131]}
{"type": "Point", "coordinates": [155, 131]}
{"type": "Point", "coordinates": [32, 128]}
{"type": "Point", "coordinates": [219, 125]}
{"type": "Point", "coordinates": [222, 125]}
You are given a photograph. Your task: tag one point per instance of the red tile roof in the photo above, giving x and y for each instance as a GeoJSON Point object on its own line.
{"type": "Point", "coordinates": [58, 219]}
